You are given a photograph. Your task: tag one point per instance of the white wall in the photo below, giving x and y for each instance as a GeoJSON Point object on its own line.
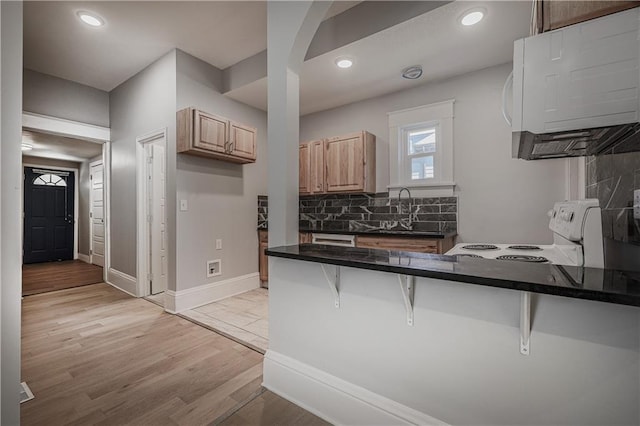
{"type": "Point", "coordinates": [143, 104]}
{"type": "Point", "coordinates": [48, 95]}
{"type": "Point", "coordinates": [501, 200]}
{"type": "Point", "coordinates": [460, 361]}
{"type": "Point", "coordinates": [222, 196]}
{"type": "Point", "coordinates": [10, 217]}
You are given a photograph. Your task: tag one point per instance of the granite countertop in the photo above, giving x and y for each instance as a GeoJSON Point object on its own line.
{"type": "Point", "coordinates": [390, 232]}
{"type": "Point", "coordinates": [604, 285]}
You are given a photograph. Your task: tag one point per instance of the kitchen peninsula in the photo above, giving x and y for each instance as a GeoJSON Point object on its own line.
{"type": "Point", "coordinates": [430, 339]}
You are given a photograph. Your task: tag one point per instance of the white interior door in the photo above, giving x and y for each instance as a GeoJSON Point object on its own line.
{"type": "Point", "coordinates": [157, 223]}
{"type": "Point", "coordinates": [96, 200]}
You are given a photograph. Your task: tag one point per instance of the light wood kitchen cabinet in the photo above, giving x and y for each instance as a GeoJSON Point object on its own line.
{"type": "Point", "coordinates": [553, 14]}
{"type": "Point", "coordinates": [304, 174]}
{"type": "Point", "coordinates": [263, 259]}
{"type": "Point", "coordinates": [304, 238]}
{"type": "Point", "coordinates": [414, 244]}
{"type": "Point", "coordinates": [208, 135]}
{"type": "Point", "coordinates": [311, 173]}
{"type": "Point", "coordinates": [350, 164]}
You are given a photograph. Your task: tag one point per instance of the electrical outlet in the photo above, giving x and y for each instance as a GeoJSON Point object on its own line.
{"type": "Point", "coordinates": [214, 268]}
{"type": "Point", "coordinates": [218, 244]}
{"type": "Point", "coordinates": [636, 204]}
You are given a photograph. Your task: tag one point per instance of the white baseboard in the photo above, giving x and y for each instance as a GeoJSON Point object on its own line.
{"type": "Point", "coordinates": [182, 300]}
{"type": "Point", "coordinates": [84, 258]}
{"type": "Point", "coordinates": [122, 281]}
{"type": "Point", "coordinates": [333, 399]}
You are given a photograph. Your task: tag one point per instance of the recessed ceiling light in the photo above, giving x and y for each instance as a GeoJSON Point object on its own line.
{"type": "Point", "coordinates": [472, 17]}
{"type": "Point", "coordinates": [412, 73]}
{"type": "Point", "coordinates": [90, 19]}
{"type": "Point", "coordinates": [27, 147]}
{"type": "Point", "coordinates": [344, 62]}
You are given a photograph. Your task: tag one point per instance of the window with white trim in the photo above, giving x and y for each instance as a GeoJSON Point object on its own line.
{"type": "Point", "coordinates": [49, 180]}
{"type": "Point", "coordinates": [421, 139]}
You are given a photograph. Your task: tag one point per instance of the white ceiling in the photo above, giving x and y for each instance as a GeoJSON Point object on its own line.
{"type": "Point", "coordinates": [59, 147]}
{"type": "Point", "coordinates": [56, 42]}
{"type": "Point", "coordinates": [226, 32]}
{"type": "Point", "coordinates": [434, 40]}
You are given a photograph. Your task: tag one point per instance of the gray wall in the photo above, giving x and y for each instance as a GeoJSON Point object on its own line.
{"type": "Point", "coordinates": [501, 200]}
{"type": "Point", "coordinates": [10, 212]}
{"type": "Point", "coordinates": [222, 196]}
{"type": "Point", "coordinates": [51, 162]}
{"type": "Point", "coordinates": [83, 194]}
{"type": "Point", "coordinates": [143, 104]}
{"type": "Point", "coordinates": [460, 361]}
{"type": "Point", "coordinates": [56, 97]}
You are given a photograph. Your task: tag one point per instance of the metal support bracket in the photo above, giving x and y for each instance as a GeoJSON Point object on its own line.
{"type": "Point", "coordinates": [407, 286]}
{"type": "Point", "coordinates": [334, 283]}
{"type": "Point", "coordinates": [525, 322]}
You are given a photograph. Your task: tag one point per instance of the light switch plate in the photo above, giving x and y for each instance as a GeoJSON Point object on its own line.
{"type": "Point", "coordinates": [218, 244]}
{"type": "Point", "coordinates": [636, 204]}
{"type": "Point", "coordinates": [184, 205]}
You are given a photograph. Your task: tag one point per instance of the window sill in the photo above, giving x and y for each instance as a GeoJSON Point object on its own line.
{"type": "Point", "coordinates": [439, 189]}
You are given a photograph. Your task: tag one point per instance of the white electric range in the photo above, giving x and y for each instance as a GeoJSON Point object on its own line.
{"type": "Point", "coordinates": [577, 239]}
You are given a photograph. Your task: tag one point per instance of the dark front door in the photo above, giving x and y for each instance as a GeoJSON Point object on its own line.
{"type": "Point", "coordinates": [48, 215]}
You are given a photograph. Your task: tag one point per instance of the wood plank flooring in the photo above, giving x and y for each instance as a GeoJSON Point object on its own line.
{"type": "Point", "coordinates": [95, 356]}
{"type": "Point", "coordinates": [270, 409]}
{"type": "Point", "coordinates": [50, 276]}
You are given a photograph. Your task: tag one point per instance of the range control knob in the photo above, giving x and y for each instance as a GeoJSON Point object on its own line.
{"type": "Point", "coordinates": [571, 217]}
{"type": "Point", "coordinates": [551, 213]}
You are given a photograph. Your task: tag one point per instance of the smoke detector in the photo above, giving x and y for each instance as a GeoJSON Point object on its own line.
{"type": "Point", "coordinates": [412, 73]}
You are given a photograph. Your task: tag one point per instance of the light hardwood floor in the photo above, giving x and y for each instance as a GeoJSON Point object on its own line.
{"type": "Point", "coordinates": [270, 409]}
{"type": "Point", "coordinates": [95, 356]}
{"type": "Point", "coordinates": [51, 276]}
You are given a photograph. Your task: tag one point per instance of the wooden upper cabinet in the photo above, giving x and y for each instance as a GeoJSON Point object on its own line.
{"type": "Point", "coordinates": [210, 132]}
{"type": "Point", "coordinates": [553, 14]}
{"type": "Point", "coordinates": [350, 163]}
{"type": "Point", "coordinates": [208, 135]}
{"type": "Point", "coordinates": [304, 174]}
{"type": "Point", "coordinates": [242, 141]}
{"type": "Point", "coordinates": [316, 166]}
{"type": "Point", "coordinates": [311, 167]}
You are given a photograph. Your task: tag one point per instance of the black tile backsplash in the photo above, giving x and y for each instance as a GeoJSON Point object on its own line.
{"type": "Point", "coordinates": [612, 178]}
{"type": "Point", "coordinates": [364, 212]}
{"type": "Point", "coordinates": [263, 208]}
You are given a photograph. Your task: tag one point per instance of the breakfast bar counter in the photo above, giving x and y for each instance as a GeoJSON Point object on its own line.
{"type": "Point", "coordinates": [604, 285]}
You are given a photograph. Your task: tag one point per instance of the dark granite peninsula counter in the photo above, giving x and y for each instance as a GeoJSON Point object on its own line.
{"type": "Point", "coordinates": [604, 285]}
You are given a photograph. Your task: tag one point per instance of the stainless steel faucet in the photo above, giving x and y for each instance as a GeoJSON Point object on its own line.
{"type": "Point", "coordinates": [410, 224]}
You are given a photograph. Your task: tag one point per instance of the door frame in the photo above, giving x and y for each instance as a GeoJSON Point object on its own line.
{"type": "Point", "coordinates": [142, 268]}
{"type": "Point", "coordinates": [76, 201]}
{"type": "Point", "coordinates": [104, 208]}
{"type": "Point", "coordinates": [89, 133]}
